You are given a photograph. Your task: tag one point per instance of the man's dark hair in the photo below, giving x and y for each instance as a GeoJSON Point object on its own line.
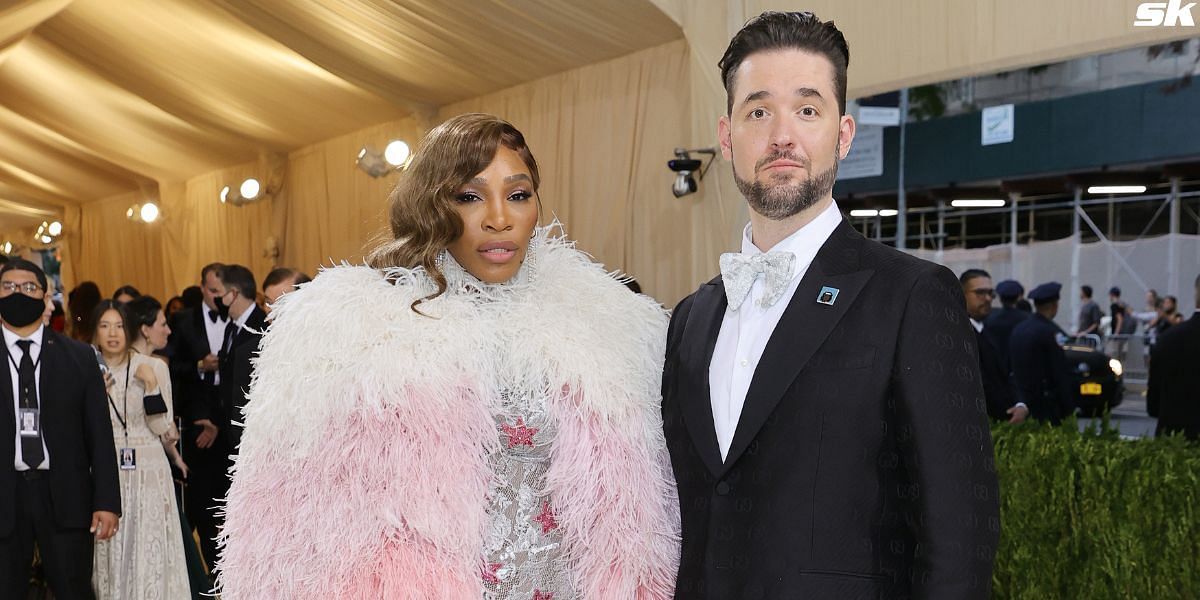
{"type": "Point", "coordinates": [970, 274]}
{"type": "Point", "coordinates": [1087, 291]}
{"type": "Point", "coordinates": [192, 296]}
{"type": "Point", "coordinates": [211, 267]}
{"type": "Point", "coordinates": [142, 310]}
{"type": "Point", "coordinates": [20, 264]}
{"type": "Point", "coordinates": [104, 306]}
{"type": "Point", "coordinates": [127, 290]}
{"type": "Point", "coordinates": [787, 31]}
{"type": "Point", "coordinates": [282, 274]}
{"type": "Point", "coordinates": [241, 279]}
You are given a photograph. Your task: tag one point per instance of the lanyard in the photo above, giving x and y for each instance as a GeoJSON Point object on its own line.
{"type": "Point", "coordinates": [124, 401]}
{"type": "Point", "coordinates": [17, 369]}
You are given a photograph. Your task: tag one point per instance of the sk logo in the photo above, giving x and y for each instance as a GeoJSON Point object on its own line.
{"type": "Point", "coordinates": [1166, 14]}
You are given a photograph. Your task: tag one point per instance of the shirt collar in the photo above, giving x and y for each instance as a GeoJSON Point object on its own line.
{"type": "Point", "coordinates": [804, 242]}
{"type": "Point", "coordinates": [241, 321]}
{"type": "Point", "coordinates": [978, 325]}
{"type": "Point", "coordinates": [11, 339]}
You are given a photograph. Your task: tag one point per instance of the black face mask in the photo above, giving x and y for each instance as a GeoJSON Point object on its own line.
{"type": "Point", "coordinates": [20, 310]}
{"type": "Point", "coordinates": [222, 308]}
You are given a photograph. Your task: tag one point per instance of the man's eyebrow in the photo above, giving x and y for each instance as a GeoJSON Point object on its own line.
{"type": "Point", "coordinates": [803, 92]}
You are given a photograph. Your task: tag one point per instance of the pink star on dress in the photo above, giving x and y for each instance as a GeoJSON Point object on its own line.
{"type": "Point", "coordinates": [540, 595]}
{"type": "Point", "coordinates": [519, 435]}
{"type": "Point", "coordinates": [546, 518]}
{"type": "Point", "coordinates": [490, 575]}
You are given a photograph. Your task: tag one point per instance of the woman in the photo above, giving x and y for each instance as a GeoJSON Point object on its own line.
{"type": "Point", "coordinates": [81, 302]}
{"type": "Point", "coordinates": [474, 415]}
{"type": "Point", "coordinates": [144, 559]}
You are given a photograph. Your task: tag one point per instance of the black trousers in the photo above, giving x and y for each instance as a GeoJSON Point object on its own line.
{"type": "Point", "coordinates": [66, 553]}
{"type": "Point", "coordinates": [207, 484]}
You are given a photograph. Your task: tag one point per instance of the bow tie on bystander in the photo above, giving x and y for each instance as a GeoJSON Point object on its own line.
{"type": "Point", "coordinates": [213, 316]}
{"type": "Point", "coordinates": [738, 271]}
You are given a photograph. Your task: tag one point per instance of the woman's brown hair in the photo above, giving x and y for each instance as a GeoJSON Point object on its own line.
{"type": "Point", "coordinates": [422, 219]}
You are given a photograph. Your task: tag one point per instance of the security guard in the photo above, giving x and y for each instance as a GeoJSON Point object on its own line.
{"type": "Point", "coordinates": [1038, 362]}
{"type": "Point", "coordinates": [1001, 321]}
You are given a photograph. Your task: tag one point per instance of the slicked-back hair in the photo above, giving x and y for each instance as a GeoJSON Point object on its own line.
{"type": "Point", "coordinates": [241, 279]}
{"type": "Point", "coordinates": [970, 274]}
{"type": "Point", "coordinates": [787, 31]}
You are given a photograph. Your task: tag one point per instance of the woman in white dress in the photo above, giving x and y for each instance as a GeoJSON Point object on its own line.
{"type": "Point", "coordinates": [145, 559]}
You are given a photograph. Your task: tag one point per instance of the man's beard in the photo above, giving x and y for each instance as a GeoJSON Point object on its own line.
{"type": "Point", "coordinates": [778, 202]}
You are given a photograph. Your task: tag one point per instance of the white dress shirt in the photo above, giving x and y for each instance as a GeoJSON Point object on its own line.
{"type": "Point", "coordinates": [745, 332]}
{"type": "Point", "coordinates": [15, 353]}
{"type": "Point", "coordinates": [216, 336]}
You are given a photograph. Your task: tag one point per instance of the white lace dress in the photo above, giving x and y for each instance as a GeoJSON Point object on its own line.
{"type": "Point", "coordinates": [145, 559]}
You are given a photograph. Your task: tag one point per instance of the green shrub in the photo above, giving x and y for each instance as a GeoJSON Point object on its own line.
{"type": "Point", "coordinates": [1090, 515]}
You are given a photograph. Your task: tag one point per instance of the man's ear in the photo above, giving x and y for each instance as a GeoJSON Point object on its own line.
{"type": "Point", "coordinates": [724, 135]}
{"type": "Point", "coordinates": [846, 130]}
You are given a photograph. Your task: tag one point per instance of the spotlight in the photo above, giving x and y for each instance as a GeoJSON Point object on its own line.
{"type": "Point", "coordinates": [396, 153]}
{"type": "Point", "coordinates": [149, 212]}
{"type": "Point", "coordinates": [8, 247]}
{"type": "Point", "coordinates": [55, 228]}
{"type": "Point", "coordinates": [46, 239]}
{"type": "Point", "coordinates": [250, 190]}
{"type": "Point", "coordinates": [395, 156]}
{"type": "Point", "coordinates": [684, 165]}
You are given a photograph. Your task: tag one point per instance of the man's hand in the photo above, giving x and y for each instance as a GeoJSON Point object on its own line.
{"type": "Point", "coordinates": [1018, 413]}
{"type": "Point", "coordinates": [145, 375]}
{"type": "Point", "coordinates": [209, 363]}
{"type": "Point", "coordinates": [208, 436]}
{"type": "Point", "coordinates": [104, 524]}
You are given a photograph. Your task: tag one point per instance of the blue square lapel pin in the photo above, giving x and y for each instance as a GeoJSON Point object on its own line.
{"type": "Point", "coordinates": [827, 296]}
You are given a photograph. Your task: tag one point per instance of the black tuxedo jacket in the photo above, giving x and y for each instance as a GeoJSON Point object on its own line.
{"type": "Point", "coordinates": [862, 464]}
{"type": "Point", "coordinates": [75, 428]}
{"type": "Point", "coordinates": [1173, 393]}
{"type": "Point", "coordinates": [236, 371]}
{"type": "Point", "coordinates": [194, 399]}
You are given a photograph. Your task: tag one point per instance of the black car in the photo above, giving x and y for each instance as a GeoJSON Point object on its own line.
{"type": "Point", "coordinates": [1098, 384]}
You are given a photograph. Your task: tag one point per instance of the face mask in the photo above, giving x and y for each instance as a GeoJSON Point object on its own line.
{"type": "Point", "coordinates": [222, 308]}
{"type": "Point", "coordinates": [20, 310]}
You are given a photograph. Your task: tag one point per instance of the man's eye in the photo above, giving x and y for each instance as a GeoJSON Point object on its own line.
{"type": "Point", "coordinates": [758, 113]}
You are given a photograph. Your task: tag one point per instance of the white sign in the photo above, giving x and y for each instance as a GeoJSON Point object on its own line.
{"type": "Point", "coordinates": [865, 158]}
{"type": "Point", "coordinates": [1166, 14]}
{"type": "Point", "coordinates": [888, 116]}
{"type": "Point", "coordinates": [997, 123]}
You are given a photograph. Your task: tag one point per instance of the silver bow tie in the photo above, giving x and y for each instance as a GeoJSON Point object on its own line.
{"type": "Point", "coordinates": [738, 271]}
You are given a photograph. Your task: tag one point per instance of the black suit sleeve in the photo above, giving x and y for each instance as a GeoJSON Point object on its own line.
{"type": "Point", "coordinates": [674, 333]}
{"type": "Point", "coordinates": [98, 434]}
{"type": "Point", "coordinates": [945, 442]}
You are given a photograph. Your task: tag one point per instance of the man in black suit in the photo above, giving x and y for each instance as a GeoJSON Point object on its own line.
{"type": "Point", "coordinates": [1173, 391]}
{"type": "Point", "coordinates": [1039, 364]}
{"type": "Point", "coordinates": [58, 472]}
{"type": "Point", "coordinates": [821, 398]}
{"type": "Point", "coordinates": [998, 390]}
{"type": "Point", "coordinates": [1000, 323]}
{"type": "Point", "coordinates": [196, 338]}
{"type": "Point", "coordinates": [246, 324]}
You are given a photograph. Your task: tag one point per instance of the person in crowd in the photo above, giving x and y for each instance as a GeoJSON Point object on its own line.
{"type": "Point", "coordinates": [1170, 312]}
{"type": "Point", "coordinates": [1123, 321]}
{"type": "Point", "coordinates": [1000, 322]}
{"type": "Point", "coordinates": [246, 324]}
{"type": "Point", "coordinates": [196, 338]}
{"type": "Point", "coordinates": [521, 425]}
{"type": "Point", "coordinates": [279, 282]}
{"type": "Point", "coordinates": [174, 305]}
{"type": "Point", "coordinates": [1174, 380]}
{"type": "Point", "coordinates": [816, 342]}
{"type": "Point", "coordinates": [144, 559]}
{"type": "Point", "coordinates": [126, 294]}
{"type": "Point", "coordinates": [998, 390]}
{"type": "Point", "coordinates": [151, 335]}
{"type": "Point", "coordinates": [1089, 313]}
{"type": "Point", "coordinates": [1039, 365]}
{"type": "Point", "coordinates": [61, 493]}
{"type": "Point", "coordinates": [192, 296]}
{"type": "Point", "coordinates": [81, 303]}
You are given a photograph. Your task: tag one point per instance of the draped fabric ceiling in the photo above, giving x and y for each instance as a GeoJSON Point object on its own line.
{"type": "Point", "coordinates": [106, 104]}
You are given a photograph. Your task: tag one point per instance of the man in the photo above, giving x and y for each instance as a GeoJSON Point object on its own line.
{"type": "Point", "coordinates": [1089, 313]}
{"type": "Point", "coordinates": [1173, 390]}
{"type": "Point", "coordinates": [1001, 322]}
{"type": "Point", "coordinates": [196, 338]}
{"type": "Point", "coordinates": [246, 324]}
{"type": "Point", "coordinates": [279, 282]}
{"type": "Point", "coordinates": [821, 401]}
{"type": "Point", "coordinates": [58, 474]}
{"type": "Point", "coordinates": [993, 366]}
{"type": "Point", "coordinates": [1123, 322]}
{"type": "Point", "coordinates": [1039, 364]}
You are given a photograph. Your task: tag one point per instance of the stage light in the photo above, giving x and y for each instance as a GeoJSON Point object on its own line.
{"type": "Point", "coordinates": [55, 228]}
{"type": "Point", "coordinates": [1116, 189]}
{"type": "Point", "coordinates": [888, 212]}
{"type": "Point", "coordinates": [46, 239]}
{"type": "Point", "coordinates": [381, 164]}
{"type": "Point", "coordinates": [978, 203]}
{"type": "Point", "coordinates": [396, 153]}
{"type": "Point", "coordinates": [149, 212]}
{"type": "Point", "coordinates": [224, 194]}
{"type": "Point", "coordinates": [8, 247]}
{"type": "Point", "coordinates": [250, 188]}
{"type": "Point", "coordinates": [864, 212]}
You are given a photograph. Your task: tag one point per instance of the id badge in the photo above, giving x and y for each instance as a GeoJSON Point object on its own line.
{"type": "Point", "coordinates": [29, 422]}
{"type": "Point", "coordinates": [128, 459]}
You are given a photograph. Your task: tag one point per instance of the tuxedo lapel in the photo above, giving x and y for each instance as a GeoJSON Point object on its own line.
{"type": "Point", "coordinates": [801, 330]}
{"type": "Point", "coordinates": [695, 353]}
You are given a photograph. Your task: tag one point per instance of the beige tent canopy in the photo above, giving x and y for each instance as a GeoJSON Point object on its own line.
{"type": "Point", "coordinates": [108, 104]}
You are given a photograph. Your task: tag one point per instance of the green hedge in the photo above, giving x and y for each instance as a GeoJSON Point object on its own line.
{"type": "Point", "coordinates": [1089, 515]}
